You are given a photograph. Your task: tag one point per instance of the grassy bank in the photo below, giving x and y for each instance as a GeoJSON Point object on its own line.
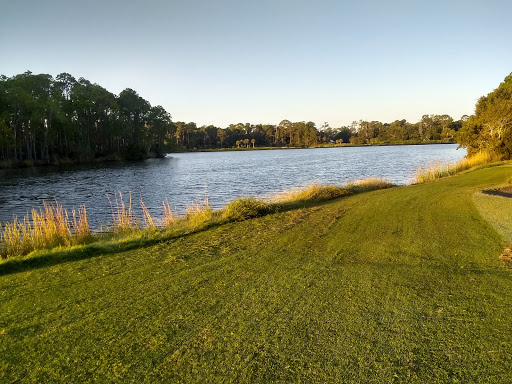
{"type": "Point", "coordinates": [396, 285]}
{"type": "Point", "coordinates": [52, 226]}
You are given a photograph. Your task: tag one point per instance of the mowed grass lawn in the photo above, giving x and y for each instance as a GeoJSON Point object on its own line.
{"type": "Point", "coordinates": [400, 285]}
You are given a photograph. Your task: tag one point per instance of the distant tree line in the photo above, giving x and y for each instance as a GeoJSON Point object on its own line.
{"type": "Point", "coordinates": [51, 120]}
{"type": "Point", "coordinates": [490, 128]}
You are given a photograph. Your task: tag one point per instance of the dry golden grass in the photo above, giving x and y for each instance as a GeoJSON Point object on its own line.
{"type": "Point", "coordinates": [81, 224]}
{"type": "Point", "coordinates": [169, 217]}
{"type": "Point", "coordinates": [122, 216]}
{"type": "Point", "coordinates": [198, 215]}
{"type": "Point", "coordinates": [317, 192]}
{"type": "Point", "coordinates": [148, 220]}
{"type": "Point", "coordinates": [313, 192]}
{"type": "Point", "coordinates": [439, 170]}
{"type": "Point", "coordinates": [45, 228]}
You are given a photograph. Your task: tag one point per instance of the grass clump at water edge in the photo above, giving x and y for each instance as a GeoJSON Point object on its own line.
{"type": "Point", "coordinates": [439, 170]}
{"type": "Point", "coordinates": [318, 192]}
{"type": "Point", "coordinates": [45, 228]}
{"type": "Point", "coordinates": [198, 215]}
{"type": "Point", "coordinates": [245, 208]}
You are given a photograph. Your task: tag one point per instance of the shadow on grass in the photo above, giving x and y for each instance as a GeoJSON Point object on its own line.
{"type": "Point", "coordinates": [52, 258]}
{"type": "Point", "coordinates": [43, 259]}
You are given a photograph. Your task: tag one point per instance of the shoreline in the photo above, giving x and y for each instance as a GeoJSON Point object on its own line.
{"type": "Point", "coordinates": [4, 165]}
{"type": "Point", "coordinates": [348, 145]}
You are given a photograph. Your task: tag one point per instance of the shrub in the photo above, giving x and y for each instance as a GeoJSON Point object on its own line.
{"type": "Point", "coordinates": [245, 208]}
{"type": "Point", "coordinates": [367, 185]}
{"type": "Point", "coordinates": [198, 215]}
{"type": "Point", "coordinates": [314, 192]}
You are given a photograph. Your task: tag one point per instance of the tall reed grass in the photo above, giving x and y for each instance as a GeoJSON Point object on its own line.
{"type": "Point", "coordinates": [439, 170]}
{"type": "Point", "coordinates": [318, 192]}
{"type": "Point", "coordinates": [123, 219]}
{"type": "Point", "coordinates": [45, 228]}
{"type": "Point", "coordinates": [169, 218]}
{"type": "Point", "coordinates": [52, 226]}
{"type": "Point", "coordinates": [198, 215]}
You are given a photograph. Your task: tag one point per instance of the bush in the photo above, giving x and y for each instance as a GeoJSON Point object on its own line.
{"type": "Point", "coordinates": [198, 215]}
{"type": "Point", "coordinates": [245, 208]}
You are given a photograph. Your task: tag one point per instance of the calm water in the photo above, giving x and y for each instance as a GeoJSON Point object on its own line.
{"type": "Point", "coordinates": [185, 178]}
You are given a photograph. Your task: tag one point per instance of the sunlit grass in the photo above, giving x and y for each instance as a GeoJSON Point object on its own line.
{"type": "Point", "coordinates": [169, 218]}
{"type": "Point", "coordinates": [318, 192]}
{"type": "Point", "coordinates": [439, 170]}
{"type": "Point", "coordinates": [402, 285]}
{"type": "Point", "coordinates": [122, 216]}
{"type": "Point", "coordinates": [45, 228]}
{"type": "Point", "coordinates": [148, 219]}
{"type": "Point", "coordinates": [245, 208]}
{"type": "Point", "coordinates": [198, 215]}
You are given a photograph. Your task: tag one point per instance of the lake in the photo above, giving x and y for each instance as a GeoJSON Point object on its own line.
{"type": "Point", "coordinates": [185, 178]}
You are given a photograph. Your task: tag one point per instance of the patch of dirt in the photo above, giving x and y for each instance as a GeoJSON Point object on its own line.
{"type": "Point", "coordinates": [505, 192]}
{"type": "Point", "coordinates": [506, 257]}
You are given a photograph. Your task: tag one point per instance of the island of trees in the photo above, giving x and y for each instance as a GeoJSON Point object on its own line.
{"type": "Point", "coordinates": [46, 120]}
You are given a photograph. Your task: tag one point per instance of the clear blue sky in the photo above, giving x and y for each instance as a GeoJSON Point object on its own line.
{"type": "Point", "coordinates": [221, 62]}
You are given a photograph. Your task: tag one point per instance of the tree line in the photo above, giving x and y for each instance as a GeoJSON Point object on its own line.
{"type": "Point", "coordinates": [51, 120]}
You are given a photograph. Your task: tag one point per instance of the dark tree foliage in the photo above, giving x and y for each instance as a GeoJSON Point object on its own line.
{"type": "Point", "coordinates": [46, 120]}
{"type": "Point", "coordinates": [490, 128]}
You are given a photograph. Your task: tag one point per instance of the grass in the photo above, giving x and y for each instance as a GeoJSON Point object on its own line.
{"type": "Point", "coordinates": [396, 285]}
{"type": "Point", "coordinates": [45, 228]}
{"type": "Point", "coordinates": [51, 227]}
{"type": "Point", "coordinates": [198, 215]}
{"type": "Point", "coordinates": [316, 192]}
{"type": "Point", "coordinates": [439, 170]}
{"type": "Point", "coordinates": [245, 208]}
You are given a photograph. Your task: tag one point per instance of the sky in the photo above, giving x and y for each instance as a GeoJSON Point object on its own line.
{"type": "Point", "coordinates": [223, 62]}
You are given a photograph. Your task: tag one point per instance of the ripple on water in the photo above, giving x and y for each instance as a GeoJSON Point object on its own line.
{"type": "Point", "coordinates": [186, 178]}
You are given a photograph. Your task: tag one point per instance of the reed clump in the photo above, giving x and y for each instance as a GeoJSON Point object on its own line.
{"type": "Point", "coordinates": [245, 208]}
{"type": "Point", "coordinates": [313, 192]}
{"type": "Point", "coordinates": [123, 219]}
{"type": "Point", "coordinates": [367, 185]}
{"type": "Point", "coordinates": [169, 217]}
{"type": "Point", "coordinates": [44, 228]}
{"type": "Point", "coordinates": [198, 215]}
{"type": "Point", "coordinates": [439, 170]}
{"type": "Point", "coordinates": [318, 192]}
{"type": "Point", "coordinates": [148, 219]}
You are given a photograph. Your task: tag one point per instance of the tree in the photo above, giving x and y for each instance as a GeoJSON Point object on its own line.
{"type": "Point", "coordinates": [490, 129]}
{"type": "Point", "coordinates": [160, 130]}
{"type": "Point", "coordinates": [134, 109]}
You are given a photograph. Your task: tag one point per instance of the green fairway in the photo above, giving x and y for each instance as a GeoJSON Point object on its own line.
{"type": "Point", "coordinates": [398, 285]}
